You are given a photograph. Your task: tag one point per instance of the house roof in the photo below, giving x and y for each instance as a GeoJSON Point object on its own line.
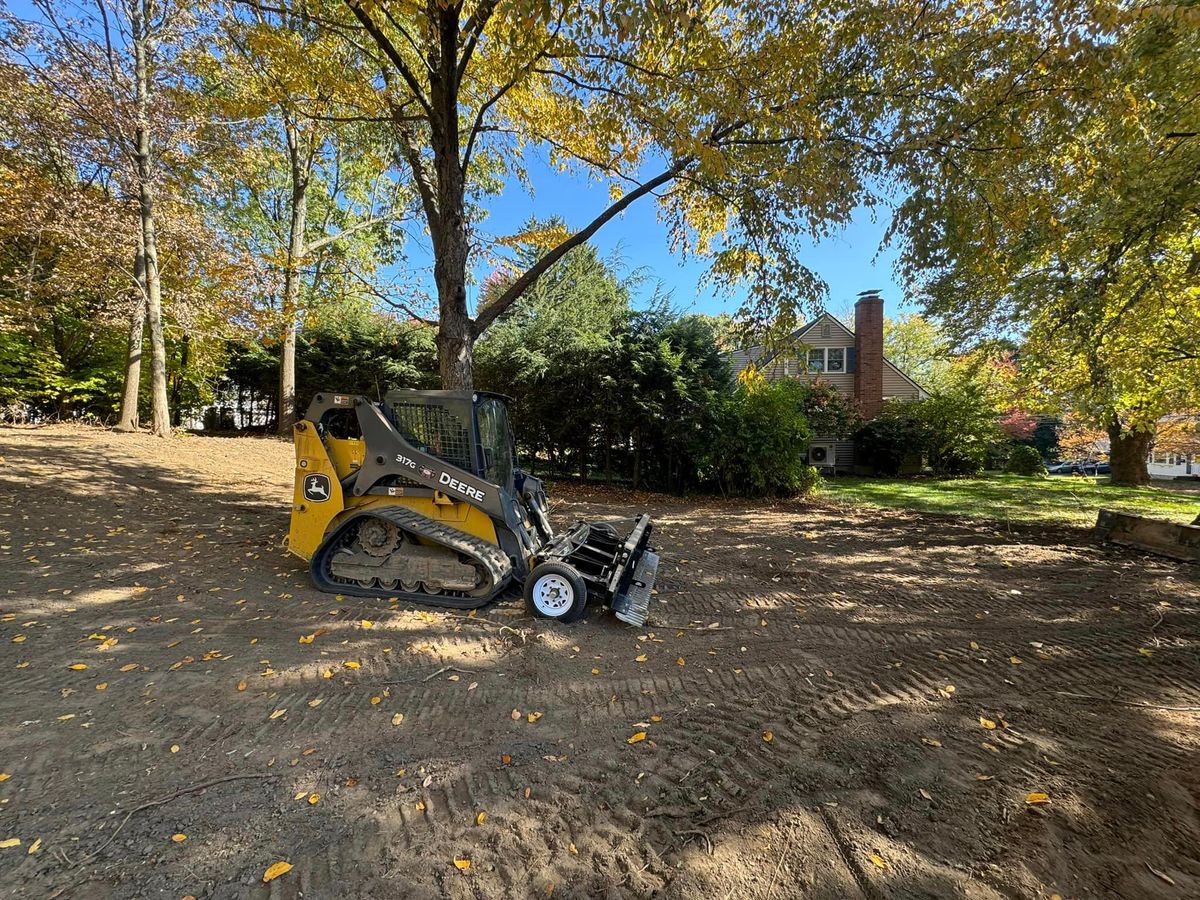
{"type": "Point", "coordinates": [742, 358]}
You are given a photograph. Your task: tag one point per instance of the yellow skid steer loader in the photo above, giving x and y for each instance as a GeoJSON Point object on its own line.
{"type": "Point", "coordinates": [419, 497]}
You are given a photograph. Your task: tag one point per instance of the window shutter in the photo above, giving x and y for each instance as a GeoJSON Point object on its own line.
{"type": "Point", "coordinates": [850, 360]}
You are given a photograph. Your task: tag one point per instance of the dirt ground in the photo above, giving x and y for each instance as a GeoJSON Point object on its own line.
{"type": "Point", "coordinates": [837, 703]}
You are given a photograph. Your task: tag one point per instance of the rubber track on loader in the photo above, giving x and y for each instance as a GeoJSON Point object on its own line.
{"type": "Point", "coordinates": [498, 566]}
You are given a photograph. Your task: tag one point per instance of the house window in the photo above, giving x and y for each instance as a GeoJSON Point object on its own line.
{"type": "Point", "coordinates": [835, 359]}
{"type": "Point", "coordinates": [816, 360]}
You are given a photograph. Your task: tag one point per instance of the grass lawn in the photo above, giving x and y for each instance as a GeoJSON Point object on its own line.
{"type": "Point", "coordinates": [1059, 500]}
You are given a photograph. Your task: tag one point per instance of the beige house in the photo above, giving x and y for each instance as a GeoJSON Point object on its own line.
{"type": "Point", "coordinates": [851, 361]}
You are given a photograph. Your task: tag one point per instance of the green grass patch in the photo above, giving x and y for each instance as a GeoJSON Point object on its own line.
{"type": "Point", "coordinates": [1055, 500]}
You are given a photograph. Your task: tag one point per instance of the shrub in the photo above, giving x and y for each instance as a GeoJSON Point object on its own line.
{"type": "Point", "coordinates": [761, 433]}
{"type": "Point", "coordinates": [830, 413]}
{"type": "Point", "coordinates": [890, 438]}
{"type": "Point", "coordinates": [810, 480]}
{"type": "Point", "coordinates": [958, 428]}
{"type": "Point", "coordinates": [1025, 460]}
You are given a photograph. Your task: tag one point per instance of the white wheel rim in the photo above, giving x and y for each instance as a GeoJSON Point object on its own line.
{"type": "Point", "coordinates": [552, 595]}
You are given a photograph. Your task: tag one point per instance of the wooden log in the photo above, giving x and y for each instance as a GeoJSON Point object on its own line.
{"type": "Point", "coordinates": [1152, 535]}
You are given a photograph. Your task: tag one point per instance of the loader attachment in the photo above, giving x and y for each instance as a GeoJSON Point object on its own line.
{"type": "Point", "coordinates": [619, 570]}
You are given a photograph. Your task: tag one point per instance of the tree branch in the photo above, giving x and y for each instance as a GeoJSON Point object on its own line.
{"type": "Point", "coordinates": [494, 309]}
{"type": "Point", "coordinates": [390, 51]}
{"type": "Point", "coordinates": [328, 239]}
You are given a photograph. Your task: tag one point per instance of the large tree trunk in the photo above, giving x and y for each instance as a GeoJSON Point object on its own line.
{"type": "Point", "coordinates": [128, 420]}
{"type": "Point", "coordinates": [1127, 454]}
{"type": "Point", "coordinates": [290, 307]}
{"type": "Point", "coordinates": [145, 168]}
{"type": "Point", "coordinates": [456, 331]}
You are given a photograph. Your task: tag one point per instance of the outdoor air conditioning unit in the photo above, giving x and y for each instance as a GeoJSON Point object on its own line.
{"type": "Point", "coordinates": [821, 455]}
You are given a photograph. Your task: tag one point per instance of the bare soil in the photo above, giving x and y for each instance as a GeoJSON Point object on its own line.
{"type": "Point", "coordinates": [817, 692]}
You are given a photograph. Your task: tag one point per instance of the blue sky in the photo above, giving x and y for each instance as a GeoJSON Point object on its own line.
{"type": "Point", "coordinates": [848, 262]}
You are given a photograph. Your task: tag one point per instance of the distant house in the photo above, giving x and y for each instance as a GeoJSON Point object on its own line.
{"type": "Point", "coordinates": [851, 361]}
{"type": "Point", "coordinates": [1170, 464]}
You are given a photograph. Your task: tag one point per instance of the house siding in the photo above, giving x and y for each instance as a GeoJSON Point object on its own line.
{"type": "Point", "coordinates": [895, 384]}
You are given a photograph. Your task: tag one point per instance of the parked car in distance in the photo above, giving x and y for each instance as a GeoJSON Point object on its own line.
{"type": "Point", "coordinates": [1080, 467]}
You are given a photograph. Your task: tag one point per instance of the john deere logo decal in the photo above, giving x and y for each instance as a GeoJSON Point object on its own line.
{"type": "Point", "coordinates": [316, 488]}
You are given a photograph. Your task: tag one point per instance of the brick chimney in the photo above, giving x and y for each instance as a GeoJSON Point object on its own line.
{"type": "Point", "coordinates": [868, 352]}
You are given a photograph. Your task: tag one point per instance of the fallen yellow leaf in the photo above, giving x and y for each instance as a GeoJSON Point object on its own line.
{"type": "Point", "coordinates": [375, 701]}
{"type": "Point", "coordinates": [315, 702]}
{"type": "Point", "coordinates": [328, 673]}
{"type": "Point", "coordinates": [34, 847]}
{"type": "Point", "coordinates": [932, 742]}
{"type": "Point", "coordinates": [128, 667]}
{"type": "Point", "coordinates": [879, 861]}
{"type": "Point", "coordinates": [595, 671]}
{"type": "Point", "coordinates": [505, 759]}
{"type": "Point", "coordinates": [352, 665]}
{"type": "Point", "coordinates": [640, 658]}
{"type": "Point", "coordinates": [656, 718]}
{"type": "Point", "coordinates": [420, 804]}
{"type": "Point", "coordinates": [636, 738]}
{"type": "Point", "coordinates": [307, 638]}
{"type": "Point", "coordinates": [680, 662]}
{"type": "Point", "coordinates": [277, 714]}
{"type": "Point", "coordinates": [984, 777]}
{"type": "Point", "coordinates": [1036, 798]}
{"type": "Point", "coordinates": [174, 748]}
{"type": "Point", "coordinates": [1145, 651]}
{"type": "Point", "coordinates": [241, 685]}
{"type": "Point", "coordinates": [534, 716]}
{"type": "Point", "coordinates": [275, 870]}
{"type": "Point", "coordinates": [102, 686]}
{"type": "Point", "coordinates": [516, 714]}
{"type": "Point", "coordinates": [314, 799]}
{"type": "Point", "coordinates": [768, 736]}
{"type": "Point", "coordinates": [1015, 660]}
{"type": "Point", "coordinates": [19, 639]}
{"type": "Point", "coordinates": [462, 864]}
{"type": "Point", "coordinates": [987, 723]}
{"type": "Point", "coordinates": [367, 623]}
{"type": "Point", "coordinates": [300, 795]}
{"type": "Point", "coordinates": [989, 747]}
{"type": "Point", "coordinates": [77, 667]}
{"type": "Point", "coordinates": [179, 838]}
{"type": "Point", "coordinates": [974, 646]}
{"type": "Point", "coordinates": [480, 818]}
{"type": "Point", "coordinates": [573, 849]}
{"type": "Point", "coordinates": [10, 842]}
{"type": "Point", "coordinates": [397, 718]}
{"type": "Point", "coordinates": [4, 776]}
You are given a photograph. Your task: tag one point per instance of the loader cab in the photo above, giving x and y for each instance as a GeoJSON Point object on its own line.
{"type": "Point", "coordinates": [469, 430]}
{"type": "Point", "coordinates": [497, 449]}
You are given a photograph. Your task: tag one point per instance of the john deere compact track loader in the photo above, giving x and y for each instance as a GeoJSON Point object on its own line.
{"type": "Point", "coordinates": [419, 497]}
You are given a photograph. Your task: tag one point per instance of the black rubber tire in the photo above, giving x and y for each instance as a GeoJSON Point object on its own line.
{"type": "Point", "coordinates": [571, 612]}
